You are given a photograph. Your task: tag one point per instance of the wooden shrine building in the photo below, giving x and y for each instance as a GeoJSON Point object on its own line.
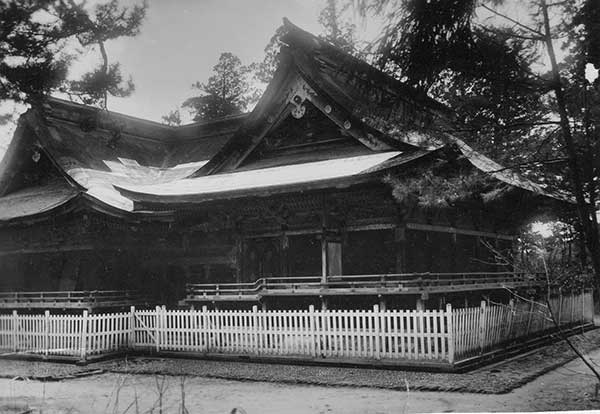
{"type": "Point", "coordinates": [324, 193]}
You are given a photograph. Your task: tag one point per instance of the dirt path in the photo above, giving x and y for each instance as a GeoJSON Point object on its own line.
{"type": "Point", "coordinates": [569, 387]}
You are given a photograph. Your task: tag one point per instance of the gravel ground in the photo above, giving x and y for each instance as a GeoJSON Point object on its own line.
{"type": "Point", "coordinates": [569, 387]}
{"type": "Point", "coordinates": [495, 379]}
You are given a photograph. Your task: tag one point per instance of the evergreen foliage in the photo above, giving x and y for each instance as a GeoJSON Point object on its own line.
{"type": "Point", "coordinates": [35, 48]}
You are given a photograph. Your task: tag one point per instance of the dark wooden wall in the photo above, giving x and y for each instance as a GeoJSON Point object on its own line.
{"type": "Point", "coordinates": [280, 235]}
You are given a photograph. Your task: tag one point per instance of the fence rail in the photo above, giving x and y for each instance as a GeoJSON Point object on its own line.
{"type": "Point", "coordinates": [75, 299]}
{"type": "Point", "coordinates": [442, 337]}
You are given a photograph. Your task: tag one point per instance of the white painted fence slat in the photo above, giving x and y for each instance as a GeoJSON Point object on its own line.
{"type": "Point", "coordinates": [431, 335]}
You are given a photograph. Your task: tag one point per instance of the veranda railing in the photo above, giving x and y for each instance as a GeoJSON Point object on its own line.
{"type": "Point", "coordinates": [442, 337]}
{"type": "Point", "coordinates": [399, 281]}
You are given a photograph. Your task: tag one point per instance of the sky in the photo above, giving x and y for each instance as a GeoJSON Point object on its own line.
{"type": "Point", "coordinates": [181, 41]}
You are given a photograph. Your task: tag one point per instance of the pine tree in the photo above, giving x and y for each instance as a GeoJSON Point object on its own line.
{"type": "Point", "coordinates": [35, 51]}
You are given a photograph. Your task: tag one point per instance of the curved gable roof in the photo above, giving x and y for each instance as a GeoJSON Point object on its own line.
{"type": "Point", "coordinates": [114, 159]}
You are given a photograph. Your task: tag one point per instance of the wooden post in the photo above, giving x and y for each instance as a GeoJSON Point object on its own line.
{"type": "Point", "coordinates": [206, 327]}
{"type": "Point", "coordinates": [84, 334]}
{"type": "Point", "coordinates": [283, 257]}
{"type": "Point", "coordinates": [312, 328]}
{"type": "Point", "coordinates": [582, 307]}
{"type": "Point", "coordinates": [420, 305]}
{"type": "Point", "coordinates": [450, 334]}
{"type": "Point", "coordinates": [131, 337]}
{"type": "Point", "coordinates": [377, 333]}
{"type": "Point", "coordinates": [560, 301]}
{"type": "Point", "coordinates": [164, 341]}
{"type": "Point", "coordinates": [323, 259]}
{"type": "Point", "coordinates": [572, 317]}
{"type": "Point", "coordinates": [382, 303]}
{"type": "Point", "coordinates": [454, 248]}
{"type": "Point", "coordinates": [530, 317]}
{"type": "Point", "coordinates": [400, 239]}
{"type": "Point", "coordinates": [264, 305]}
{"type": "Point", "coordinates": [239, 257]}
{"type": "Point", "coordinates": [511, 306]}
{"type": "Point", "coordinates": [15, 328]}
{"type": "Point", "coordinates": [482, 326]}
{"type": "Point", "coordinates": [255, 328]}
{"type": "Point", "coordinates": [324, 226]}
{"type": "Point", "coordinates": [324, 303]}
{"type": "Point", "coordinates": [157, 321]}
{"type": "Point", "coordinates": [46, 331]}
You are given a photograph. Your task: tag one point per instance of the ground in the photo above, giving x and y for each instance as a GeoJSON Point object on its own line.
{"type": "Point", "coordinates": [134, 387]}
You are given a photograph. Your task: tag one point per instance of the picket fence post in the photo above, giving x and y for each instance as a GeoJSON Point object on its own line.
{"type": "Point", "coordinates": [157, 320]}
{"type": "Point", "coordinates": [83, 336]}
{"type": "Point", "coordinates": [46, 331]}
{"type": "Point", "coordinates": [255, 341]}
{"type": "Point", "coordinates": [15, 321]}
{"type": "Point", "coordinates": [511, 317]}
{"type": "Point", "coordinates": [450, 327]}
{"type": "Point", "coordinates": [582, 321]}
{"type": "Point", "coordinates": [131, 337]}
{"type": "Point", "coordinates": [531, 308]}
{"type": "Point", "coordinates": [377, 332]}
{"type": "Point", "coordinates": [482, 326]}
{"type": "Point", "coordinates": [560, 305]}
{"type": "Point", "coordinates": [312, 323]}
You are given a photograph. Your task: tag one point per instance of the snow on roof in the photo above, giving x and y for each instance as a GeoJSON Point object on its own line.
{"type": "Point", "coordinates": [101, 184]}
{"type": "Point", "coordinates": [267, 177]}
{"type": "Point", "coordinates": [35, 200]}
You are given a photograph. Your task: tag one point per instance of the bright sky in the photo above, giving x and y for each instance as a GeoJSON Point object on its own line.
{"type": "Point", "coordinates": [181, 41]}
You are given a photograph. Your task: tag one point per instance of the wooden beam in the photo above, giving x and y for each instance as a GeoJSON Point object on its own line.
{"type": "Point", "coordinates": [445, 229]}
{"type": "Point", "coordinates": [374, 226]}
{"type": "Point", "coordinates": [191, 261]}
{"type": "Point", "coordinates": [313, 230]}
{"type": "Point", "coordinates": [48, 249]}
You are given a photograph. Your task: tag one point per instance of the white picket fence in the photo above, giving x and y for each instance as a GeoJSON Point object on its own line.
{"type": "Point", "coordinates": [478, 330]}
{"type": "Point", "coordinates": [428, 337]}
{"type": "Point", "coordinates": [373, 334]}
{"type": "Point", "coordinates": [65, 335]}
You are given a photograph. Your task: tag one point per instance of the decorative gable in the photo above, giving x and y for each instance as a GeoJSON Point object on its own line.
{"type": "Point", "coordinates": [303, 136]}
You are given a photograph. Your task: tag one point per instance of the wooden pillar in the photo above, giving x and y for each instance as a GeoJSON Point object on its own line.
{"type": "Point", "coordinates": [456, 267]}
{"type": "Point", "coordinates": [400, 240]}
{"type": "Point", "coordinates": [283, 257]}
{"type": "Point", "coordinates": [428, 252]}
{"type": "Point", "coordinates": [420, 304]}
{"type": "Point", "coordinates": [206, 268]}
{"type": "Point", "coordinates": [382, 303]}
{"type": "Point", "coordinates": [263, 304]}
{"type": "Point", "coordinates": [324, 303]}
{"type": "Point", "coordinates": [323, 259]}
{"type": "Point", "coordinates": [324, 225]}
{"type": "Point", "coordinates": [239, 257]}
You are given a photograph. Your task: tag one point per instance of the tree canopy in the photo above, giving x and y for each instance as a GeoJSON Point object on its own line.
{"type": "Point", "coordinates": [227, 92]}
{"type": "Point", "coordinates": [36, 49]}
{"type": "Point", "coordinates": [500, 73]}
{"type": "Point", "coordinates": [233, 87]}
{"type": "Point", "coordinates": [336, 30]}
